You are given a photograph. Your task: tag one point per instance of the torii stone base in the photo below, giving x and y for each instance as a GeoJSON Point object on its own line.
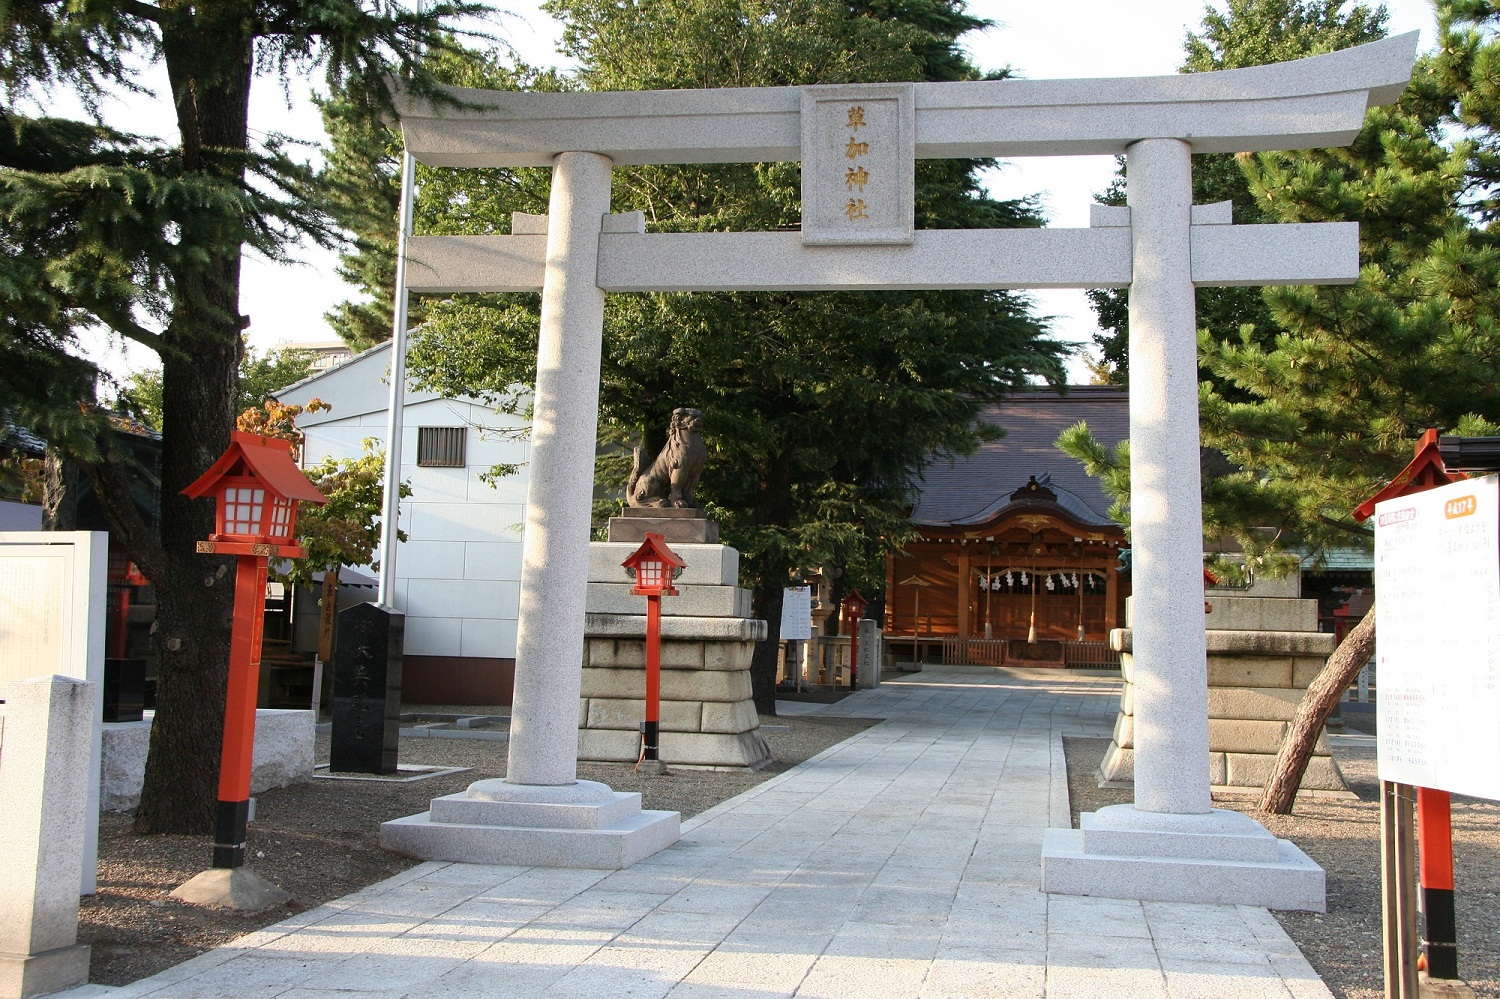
{"type": "Point", "coordinates": [1216, 857]}
{"type": "Point", "coordinates": [583, 824]}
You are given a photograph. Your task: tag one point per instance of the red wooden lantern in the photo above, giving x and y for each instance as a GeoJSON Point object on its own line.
{"type": "Point", "coordinates": [854, 608]}
{"type": "Point", "coordinates": [653, 566]}
{"type": "Point", "coordinates": [256, 486]}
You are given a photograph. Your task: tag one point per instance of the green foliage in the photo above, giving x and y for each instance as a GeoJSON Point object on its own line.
{"type": "Point", "coordinates": [143, 238]}
{"type": "Point", "coordinates": [1314, 409]}
{"type": "Point", "coordinates": [346, 529]}
{"type": "Point", "coordinates": [1110, 467]}
{"type": "Point", "coordinates": [362, 175]}
{"type": "Point", "coordinates": [260, 378]}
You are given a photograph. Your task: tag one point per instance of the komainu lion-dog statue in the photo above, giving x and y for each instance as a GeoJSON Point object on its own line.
{"type": "Point", "coordinates": [673, 476]}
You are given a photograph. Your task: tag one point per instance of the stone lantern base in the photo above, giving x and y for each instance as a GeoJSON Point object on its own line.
{"type": "Point", "coordinates": [708, 715]}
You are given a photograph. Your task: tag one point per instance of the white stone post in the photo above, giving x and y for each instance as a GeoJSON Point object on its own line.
{"type": "Point", "coordinates": [1171, 844]}
{"type": "Point", "coordinates": [44, 802]}
{"type": "Point", "coordinates": [1166, 509]}
{"type": "Point", "coordinates": [554, 554]}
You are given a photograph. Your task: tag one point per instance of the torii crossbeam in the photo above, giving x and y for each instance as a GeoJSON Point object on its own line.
{"type": "Point", "coordinates": [856, 144]}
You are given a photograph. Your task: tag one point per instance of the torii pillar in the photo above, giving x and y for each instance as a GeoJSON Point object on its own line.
{"type": "Point", "coordinates": [1171, 844]}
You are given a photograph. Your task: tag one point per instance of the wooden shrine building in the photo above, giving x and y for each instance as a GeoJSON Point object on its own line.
{"type": "Point", "coordinates": [1018, 559]}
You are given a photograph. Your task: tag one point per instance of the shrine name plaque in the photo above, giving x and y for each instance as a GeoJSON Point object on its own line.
{"type": "Point", "coordinates": [1437, 580]}
{"type": "Point", "coordinates": [858, 165]}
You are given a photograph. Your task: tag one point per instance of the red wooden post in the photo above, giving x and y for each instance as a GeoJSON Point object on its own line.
{"type": "Point", "coordinates": [256, 486]}
{"type": "Point", "coordinates": [1435, 875]}
{"type": "Point", "coordinates": [239, 710]}
{"type": "Point", "coordinates": [651, 748]}
{"type": "Point", "coordinates": [654, 567]}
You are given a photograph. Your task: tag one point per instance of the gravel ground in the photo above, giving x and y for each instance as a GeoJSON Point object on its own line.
{"type": "Point", "coordinates": [320, 840]}
{"type": "Point", "coordinates": [1343, 835]}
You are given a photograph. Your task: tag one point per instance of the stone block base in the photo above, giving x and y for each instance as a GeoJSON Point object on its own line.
{"type": "Point", "coordinates": [239, 889]}
{"type": "Point", "coordinates": [25, 975]}
{"type": "Point", "coordinates": [1233, 772]}
{"type": "Point", "coordinates": [283, 755]}
{"type": "Point", "coordinates": [1256, 680]}
{"type": "Point", "coordinates": [584, 824]}
{"type": "Point", "coordinates": [1292, 882]}
{"type": "Point", "coordinates": [698, 749]}
{"type": "Point", "coordinates": [708, 716]}
{"type": "Point", "coordinates": [1220, 857]}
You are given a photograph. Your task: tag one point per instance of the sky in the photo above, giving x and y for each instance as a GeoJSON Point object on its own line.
{"type": "Point", "coordinates": [1080, 38]}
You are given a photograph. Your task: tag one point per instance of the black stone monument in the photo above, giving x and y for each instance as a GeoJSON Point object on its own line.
{"type": "Point", "coordinates": [367, 690]}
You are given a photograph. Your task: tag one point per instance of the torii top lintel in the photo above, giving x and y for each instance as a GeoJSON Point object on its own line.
{"type": "Point", "coordinates": [1318, 101]}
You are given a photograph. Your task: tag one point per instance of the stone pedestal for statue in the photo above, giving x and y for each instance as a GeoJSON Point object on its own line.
{"type": "Point", "coordinates": [708, 715]}
{"type": "Point", "coordinates": [1262, 653]}
{"type": "Point", "coordinates": [685, 526]}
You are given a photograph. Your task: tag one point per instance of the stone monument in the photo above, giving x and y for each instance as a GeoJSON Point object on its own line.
{"type": "Point", "coordinates": [708, 715]}
{"type": "Point", "coordinates": [367, 691]}
{"type": "Point", "coordinates": [44, 802]}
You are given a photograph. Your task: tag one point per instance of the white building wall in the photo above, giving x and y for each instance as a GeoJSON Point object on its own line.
{"type": "Point", "coordinates": [458, 573]}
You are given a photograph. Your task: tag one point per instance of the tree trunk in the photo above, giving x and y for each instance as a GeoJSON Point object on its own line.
{"type": "Point", "coordinates": [59, 492]}
{"type": "Point", "coordinates": [773, 508]}
{"type": "Point", "coordinates": [209, 56]}
{"type": "Point", "coordinates": [766, 601]}
{"type": "Point", "coordinates": [1322, 696]}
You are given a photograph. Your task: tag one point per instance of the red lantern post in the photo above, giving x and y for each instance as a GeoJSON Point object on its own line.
{"type": "Point", "coordinates": [1427, 471]}
{"type": "Point", "coordinates": [854, 612]}
{"type": "Point", "coordinates": [654, 566]}
{"type": "Point", "coordinates": [256, 486]}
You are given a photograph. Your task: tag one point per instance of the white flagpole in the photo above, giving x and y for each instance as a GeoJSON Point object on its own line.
{"type": "Point", "coordinates": [391, 496]}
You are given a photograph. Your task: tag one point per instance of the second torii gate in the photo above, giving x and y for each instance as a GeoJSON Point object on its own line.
{"type": "Point", "coordinates": [857, 145]}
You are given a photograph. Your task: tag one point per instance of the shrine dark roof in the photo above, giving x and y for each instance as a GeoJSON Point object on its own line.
{"type": "Point", "coordinates": [957, 492]}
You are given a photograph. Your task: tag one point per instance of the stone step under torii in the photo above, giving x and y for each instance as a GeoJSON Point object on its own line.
{"type": "Point", "coordinates": [856, 144]}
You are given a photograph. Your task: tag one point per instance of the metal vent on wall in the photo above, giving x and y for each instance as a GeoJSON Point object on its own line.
{"type": "Point", "coordinates": [441, 447]}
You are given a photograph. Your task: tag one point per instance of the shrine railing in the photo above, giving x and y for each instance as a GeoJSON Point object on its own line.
{"type": "Point", "coordinates": [999, 652]}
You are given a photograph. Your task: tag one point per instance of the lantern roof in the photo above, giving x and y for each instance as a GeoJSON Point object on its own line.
{"type": "Point", "coordinates": [655, 546]}
{"type": "Point", "coordinates": [266, 458]}
{"type": "Point", "coordinates": [1425, 471]}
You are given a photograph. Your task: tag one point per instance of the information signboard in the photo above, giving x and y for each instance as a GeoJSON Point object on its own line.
{"type": "Point", "coordinates": [796, 614]}
{"type": "Point", "coordinates": [1437, 634]}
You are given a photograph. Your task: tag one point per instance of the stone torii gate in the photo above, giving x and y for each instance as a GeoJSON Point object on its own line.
{"type": "Point", "coordinates": [857, 145]}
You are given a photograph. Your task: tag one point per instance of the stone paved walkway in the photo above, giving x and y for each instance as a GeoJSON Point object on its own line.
{"type": "Point", "coordinates": [903, 862]}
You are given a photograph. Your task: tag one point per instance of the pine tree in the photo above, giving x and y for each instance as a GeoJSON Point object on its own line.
{"type": "Point", "coordinates": [1245, 33]}
{"type": "Point", "coordinates": [144, 238]}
